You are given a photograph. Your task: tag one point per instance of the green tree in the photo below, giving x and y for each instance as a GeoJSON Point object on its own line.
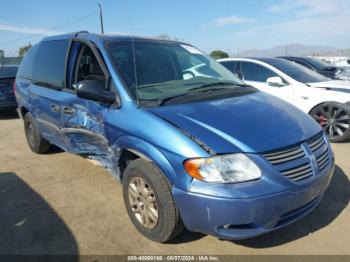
{"type": "Point", "coordinates": [23, 49]}
{"type": "Point", "coordinates": [217, 54]}
{"type": "Point", "coordinates": [2, 54]}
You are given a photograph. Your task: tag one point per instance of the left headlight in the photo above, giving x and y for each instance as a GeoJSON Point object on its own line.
{"type": "Point", "coordinates": [223, 169]}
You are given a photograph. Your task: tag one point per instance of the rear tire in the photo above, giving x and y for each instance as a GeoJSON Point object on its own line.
{"type": "Point", "coordinates": [334, 119]}
{"type": "Point", "coordinates": [147, 193]}
{"type": "Point", "coordinates": [36, 143]}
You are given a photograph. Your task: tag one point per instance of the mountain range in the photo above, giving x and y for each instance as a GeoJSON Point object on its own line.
{"type": "Point", "coordinates": [296, 50]}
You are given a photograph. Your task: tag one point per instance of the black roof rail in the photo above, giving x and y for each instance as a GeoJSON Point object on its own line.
{"type": "Point", "coordinates": [80, 32]}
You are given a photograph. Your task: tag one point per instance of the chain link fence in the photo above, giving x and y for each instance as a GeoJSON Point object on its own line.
{"type": "Point", "coordinates": [10, 61]}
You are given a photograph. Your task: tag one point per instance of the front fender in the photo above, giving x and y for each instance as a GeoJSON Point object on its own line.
{"type": "Point", "coordinates": [157, 156]}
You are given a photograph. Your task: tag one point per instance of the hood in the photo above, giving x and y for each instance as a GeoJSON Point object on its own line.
{"type": "Point", "coordinates": [335, 85]}
{"type": "Point", "coordinates": [251, 123]}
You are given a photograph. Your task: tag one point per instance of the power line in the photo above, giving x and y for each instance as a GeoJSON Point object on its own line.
{"type": "Point", "coordinates": [54, 28]}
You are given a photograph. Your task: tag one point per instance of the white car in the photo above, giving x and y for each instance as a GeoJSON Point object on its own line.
{"type": "Point", "coordinates": [326, 100]}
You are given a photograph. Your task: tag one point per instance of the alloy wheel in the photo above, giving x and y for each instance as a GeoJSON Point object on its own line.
{"type": "Point", "coordinates": [335, 120]}
{"type": "Point", "coordinates": [143, 202]}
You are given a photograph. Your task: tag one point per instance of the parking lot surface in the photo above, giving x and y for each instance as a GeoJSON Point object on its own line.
{"type": "Point", "coordinates": [59, 203]}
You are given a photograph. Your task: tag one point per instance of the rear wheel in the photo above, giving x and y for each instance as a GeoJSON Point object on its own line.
{"type": "Point", "coordinates": [36, 143]}
{"type": "Point", "coordinates": [334, 119]}
{"type": "Point", "coordinates": [149, 202]}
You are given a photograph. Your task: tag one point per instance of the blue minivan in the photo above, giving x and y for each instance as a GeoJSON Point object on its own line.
{"type": "Point", "coordinates": [192, 145]}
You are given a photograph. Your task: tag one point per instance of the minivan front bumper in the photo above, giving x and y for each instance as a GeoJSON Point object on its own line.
{"type": "Point", "coordinates": [241, 218]}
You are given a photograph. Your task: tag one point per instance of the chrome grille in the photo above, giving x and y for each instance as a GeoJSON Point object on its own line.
{"type": "Point", "coordinates": [323, 160]}
{"type": "Point", "coordinates": [285, 156]}
{"type": "Point", "coordinates": [316, 143]}
{"type": "Point", "coordinates": [295, 163]}
{"type": "Point", "coordinates": [279, 157]}
{"type": "Point", "coordinates": [298, 173]}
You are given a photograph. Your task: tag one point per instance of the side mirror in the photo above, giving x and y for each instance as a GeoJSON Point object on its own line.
{"type": "Point", "coordinates": [94, 90]}
{"type": "Point", "coordinates": [275, 81]}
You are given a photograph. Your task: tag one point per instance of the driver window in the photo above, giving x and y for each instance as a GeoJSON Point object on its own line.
{"type": "Point", "coordinates": [87, 67]}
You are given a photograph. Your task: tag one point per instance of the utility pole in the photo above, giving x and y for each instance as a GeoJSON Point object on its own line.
{"type": "Point", "coordinates": [286, 50]}
{"type": "Point", "coordinates": [101, 18]}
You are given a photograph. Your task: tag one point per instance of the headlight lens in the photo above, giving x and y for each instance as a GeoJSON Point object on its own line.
{"type": "Point", "coordinates": [223, 169]}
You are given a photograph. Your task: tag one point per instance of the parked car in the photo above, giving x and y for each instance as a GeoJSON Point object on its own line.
{"type": "Point", "coordinates": [7, 78]}
{"type": "Point", "coordinates": [344, 67]}
{"type": "Point", "coordinates": [209, 153]}
{"type": "Point", "coordinates": [316, 65]}
{"type": "Point", "coordinates": [327, 101]}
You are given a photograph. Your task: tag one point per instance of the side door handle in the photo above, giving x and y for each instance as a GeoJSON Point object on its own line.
{"type": "Point", "coordinates": [68, 110]}
{"type": "Point", "coordinates": [54, 108]}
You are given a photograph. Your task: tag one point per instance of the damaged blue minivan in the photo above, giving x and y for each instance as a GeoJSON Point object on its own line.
{"type": "Point", "coordinates": [192, 145]}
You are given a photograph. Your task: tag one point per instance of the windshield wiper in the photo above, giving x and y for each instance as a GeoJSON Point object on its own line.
{"type": "Point", "coordinates": [215, 84]}
{"type": "Point", "coordinates": [193, 91]}
{"type": "Point", "coordinates": [220, 83]}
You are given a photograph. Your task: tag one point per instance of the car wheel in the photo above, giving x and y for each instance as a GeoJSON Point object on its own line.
{"type": "Point", "coordinates": [334, 119]}
{"type": "Point", "coordinates": [36, 143]}
{"type": "Point", "coordinates": [149, 202]}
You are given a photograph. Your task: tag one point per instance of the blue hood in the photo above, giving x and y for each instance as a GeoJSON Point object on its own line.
{"type": "Point", "coordinates": [251, 123]}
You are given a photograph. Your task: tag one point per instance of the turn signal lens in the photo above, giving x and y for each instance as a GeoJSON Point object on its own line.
{"type": "Point", "coordinates": [192, 168]}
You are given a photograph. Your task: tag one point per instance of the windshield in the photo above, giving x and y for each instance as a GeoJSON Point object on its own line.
{"type": "Point", "coordinates": [297, 72]}
{"type": "Point", "coordinates": [319, 64]}
{"type": "Point", "coordinates": [164, 69]}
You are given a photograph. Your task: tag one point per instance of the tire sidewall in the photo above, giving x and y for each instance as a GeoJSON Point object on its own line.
{"type": "Point", "coordinates": [28, 118]}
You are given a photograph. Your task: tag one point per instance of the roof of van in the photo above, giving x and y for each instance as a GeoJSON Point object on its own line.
{"type": "Point", "coordinates": [91, 36]}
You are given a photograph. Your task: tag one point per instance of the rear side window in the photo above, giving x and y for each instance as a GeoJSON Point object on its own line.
{"type": "Point", "coordinates": [255, 72]}
{"type": "Point", "coordinates": [25, 70]}
{"type": "Point", "coordinates": [50, 64]}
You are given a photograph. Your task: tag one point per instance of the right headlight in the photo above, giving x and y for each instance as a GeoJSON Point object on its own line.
{"type": "Point", "coordinates": [223, 169]}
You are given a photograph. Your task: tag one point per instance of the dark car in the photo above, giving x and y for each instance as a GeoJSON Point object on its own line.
{"type": "Point", "coordinates": [7, 78]}
{"type": "Point", "coordinates": [315, 64]}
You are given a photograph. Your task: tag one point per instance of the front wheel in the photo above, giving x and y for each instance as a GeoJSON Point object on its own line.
{"type": "Point", "coordinates": [334, 119]}
{"type": "Point", "coordinates": [148, 200]}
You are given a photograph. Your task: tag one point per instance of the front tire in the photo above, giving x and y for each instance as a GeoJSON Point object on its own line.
{"type": "Point", "coordinates": [149, 202]}
{"type": "Point", "coordinates": [36, 143]}
{"type": "Point", "coordinates": [334, 119]}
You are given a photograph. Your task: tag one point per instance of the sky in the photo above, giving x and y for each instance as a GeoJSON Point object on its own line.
{"type": "Point", "coordinates": [228, 25]}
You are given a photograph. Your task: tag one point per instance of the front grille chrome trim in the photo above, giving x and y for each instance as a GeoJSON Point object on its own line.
{"type": "Point", "coordinates": [285, 155]}
{"type": "Point", "coordinates": [297, 163]}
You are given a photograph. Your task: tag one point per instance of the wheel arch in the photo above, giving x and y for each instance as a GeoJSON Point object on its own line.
{"type": "Point", "coordinates": [321, 103]}
{"type": "Point", "coordinates": [131, 148]}
{"type": "Point", "coordinates": [23, 111]}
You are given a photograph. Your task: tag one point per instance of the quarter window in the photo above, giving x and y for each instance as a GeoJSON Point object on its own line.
{"type": "Point", "coordinates": [25, 70]}
{"type": "Point", "coordinates": [255, 72]}
{"type": "Point", "coordinates": [49, 64]}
